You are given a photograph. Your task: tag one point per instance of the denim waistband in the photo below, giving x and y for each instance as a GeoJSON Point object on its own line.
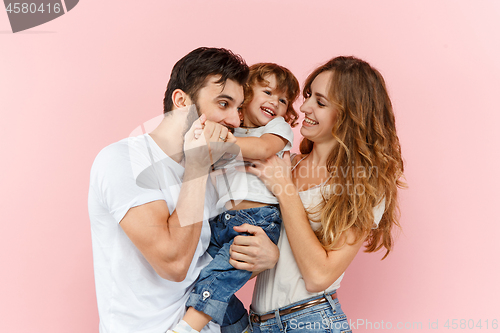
{"type": "Point", "coordinates": [252, 210]}
{"type": "Point", "coordinates": [327, 296]}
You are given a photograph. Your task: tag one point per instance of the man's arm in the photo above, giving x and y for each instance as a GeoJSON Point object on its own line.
{"type": "Point", "coordinates": [166, 245]}
{"type": "Point", "coordinates": [169, 241]}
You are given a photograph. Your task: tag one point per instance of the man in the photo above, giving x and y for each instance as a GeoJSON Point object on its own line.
{"type": "Point", "coordinates": [149, 199]}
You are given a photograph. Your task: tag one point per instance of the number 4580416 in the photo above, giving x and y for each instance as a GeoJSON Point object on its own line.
{"type": "Point", "coordinates": [471, 323]}
{"type": "Point", "coordinates": [32, 8]}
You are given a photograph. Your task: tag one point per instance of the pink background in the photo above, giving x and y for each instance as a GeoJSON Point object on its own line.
{"type": "Point", "coordinates": [76, 84]}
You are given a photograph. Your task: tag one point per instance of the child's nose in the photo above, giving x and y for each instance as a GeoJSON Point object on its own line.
{"type": "Point", "coordinates": [274, 100]}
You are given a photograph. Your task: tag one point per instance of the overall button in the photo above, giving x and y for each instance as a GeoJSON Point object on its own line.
{"type": "Point", "coordinates": [227, 216]}
{"type": "Point", "coordinates": [206, 294]}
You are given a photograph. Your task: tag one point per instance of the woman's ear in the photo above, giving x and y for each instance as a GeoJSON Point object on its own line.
{"type": "Point", "coordinates": [180, 99]}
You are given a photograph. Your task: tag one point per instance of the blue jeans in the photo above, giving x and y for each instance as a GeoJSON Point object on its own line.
{"type": "Point", "coordinates": [213, 293]}
{"type": "Point", "coordinates": [326, 317]}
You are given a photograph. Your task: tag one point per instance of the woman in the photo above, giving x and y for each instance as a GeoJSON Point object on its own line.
{"type": "Point", "coordinates": [338, 194]}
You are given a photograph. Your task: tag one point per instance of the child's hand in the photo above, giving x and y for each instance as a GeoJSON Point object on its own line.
{"type": "Point", "coordinates": [230, 138]}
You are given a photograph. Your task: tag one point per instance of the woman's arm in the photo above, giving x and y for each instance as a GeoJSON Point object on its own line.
{"type": "Point", "coordinates": [318, 267]}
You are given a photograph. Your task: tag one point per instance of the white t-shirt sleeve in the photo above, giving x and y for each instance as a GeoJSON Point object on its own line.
{"type": "Point", "coordinates": [115, 182]}
{"type": "Point", "coordinates": [278, 126]}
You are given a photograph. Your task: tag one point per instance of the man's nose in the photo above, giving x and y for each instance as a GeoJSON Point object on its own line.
{"type": "Point", "coordinates": [233, 118]}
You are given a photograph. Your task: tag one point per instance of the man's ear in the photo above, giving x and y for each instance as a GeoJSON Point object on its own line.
{"type": "Point", "coordinates": [180, 99]}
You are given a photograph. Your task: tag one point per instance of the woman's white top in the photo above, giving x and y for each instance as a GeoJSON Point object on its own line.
{"type": "Point", "coordinates": [283, 284]}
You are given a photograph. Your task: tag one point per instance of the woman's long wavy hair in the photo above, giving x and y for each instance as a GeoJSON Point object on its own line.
{"type": "Point", "coordinates": [366, 163]}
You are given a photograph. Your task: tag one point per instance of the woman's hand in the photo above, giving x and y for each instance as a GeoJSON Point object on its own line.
{"type": "Point", "coordinates": [254, 253]}
{"type": "Point", "coordinates": [274, 172]}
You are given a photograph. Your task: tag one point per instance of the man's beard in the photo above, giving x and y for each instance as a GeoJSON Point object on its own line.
{"type": "Point", "coordinates": [192, 116]}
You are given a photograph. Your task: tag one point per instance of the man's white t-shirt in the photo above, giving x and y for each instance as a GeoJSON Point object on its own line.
{"type": "Point", "coordinates": [131, 296]}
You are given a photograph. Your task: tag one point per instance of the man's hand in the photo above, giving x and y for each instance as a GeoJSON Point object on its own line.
{"type": "Point", "coordinates": [195, 146]}
{"type": "Point", "coordinates": [254, 253]}
{"type": "Point", "coordinates": [204, 143]}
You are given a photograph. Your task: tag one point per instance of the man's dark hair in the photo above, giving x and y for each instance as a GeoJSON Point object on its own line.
{"type": "Point", "coordinates": [190, 73]}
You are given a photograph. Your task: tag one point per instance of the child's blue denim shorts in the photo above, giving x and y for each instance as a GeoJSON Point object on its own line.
{"type": "Point", "coordinates": [213, 293]}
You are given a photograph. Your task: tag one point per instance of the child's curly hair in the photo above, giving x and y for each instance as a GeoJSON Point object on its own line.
{"type": "Point", "coordinates": [286, 82]}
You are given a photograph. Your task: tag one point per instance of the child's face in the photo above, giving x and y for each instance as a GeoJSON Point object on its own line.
{"type": "Point", "coordinates": [267, 103]}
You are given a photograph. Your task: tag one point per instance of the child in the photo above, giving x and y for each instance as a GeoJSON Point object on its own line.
{"type": "Point", "coordinates": [267, 115]}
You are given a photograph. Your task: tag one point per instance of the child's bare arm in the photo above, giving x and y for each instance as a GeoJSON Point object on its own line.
{"type": "Point", "coordinates": [259, 148]}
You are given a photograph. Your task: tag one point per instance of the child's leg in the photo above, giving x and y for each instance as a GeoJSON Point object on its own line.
{"type": "Point", "coordinates": [215, 288]}
{"type": "Point", "coordinates": [196, 319]}
{"type": "Point", "coordinates": [182, 327]}
{"type": "Point", "coordinates": [213, 294]}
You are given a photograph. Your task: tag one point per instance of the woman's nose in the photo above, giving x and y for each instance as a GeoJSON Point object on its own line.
{"type": "Point", "coordinates": [304, 108]}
